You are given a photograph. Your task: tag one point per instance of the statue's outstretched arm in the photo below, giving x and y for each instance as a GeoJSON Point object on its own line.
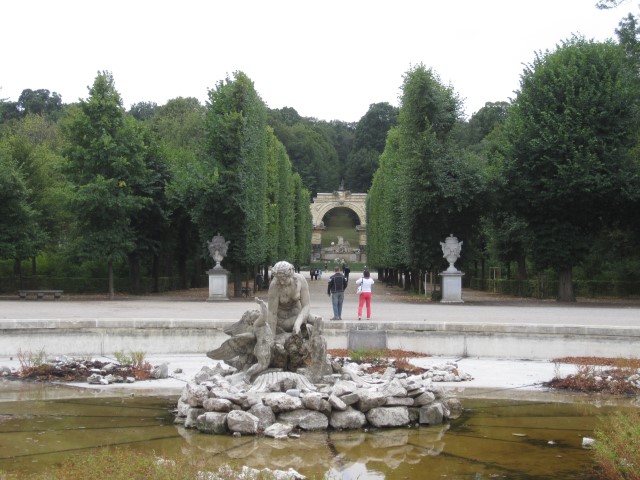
{"type": "Point", "coordinates": [274, 302]}
{"type": "Point", "coordinates": [305, 303]}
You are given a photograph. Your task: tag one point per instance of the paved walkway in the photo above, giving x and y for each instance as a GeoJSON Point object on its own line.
{"type": "Point", "coordinates": [389, 304]}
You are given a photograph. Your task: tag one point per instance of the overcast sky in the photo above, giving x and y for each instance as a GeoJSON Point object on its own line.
{"type": "Point", "coordinates": [327, 59]}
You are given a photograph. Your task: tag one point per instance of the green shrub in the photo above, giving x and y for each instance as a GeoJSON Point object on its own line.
{"type": "Point", "coordinates": [367, 355]}
{"type": "Point", "coordinates": [133, 359]}
{"type": "Point", "coordinates": [29, 359]}
{"type": "Point", "coordinates": [617, 447]}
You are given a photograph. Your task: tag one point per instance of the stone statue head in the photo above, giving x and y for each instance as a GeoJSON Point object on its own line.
{"type": "Point", "coordinates": [283, 271]}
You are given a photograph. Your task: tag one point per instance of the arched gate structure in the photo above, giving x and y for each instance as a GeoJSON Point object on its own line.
{"type": "Point", "coordinates": [322, 204]}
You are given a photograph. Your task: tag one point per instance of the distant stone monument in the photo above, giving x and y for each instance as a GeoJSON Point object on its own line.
{"type": "Point", "coordinates": [218, 276]}
{"type": "Point", "coordinates": [451, 277]}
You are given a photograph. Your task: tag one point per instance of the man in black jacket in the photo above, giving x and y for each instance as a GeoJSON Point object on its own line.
{"type": "Point", "coordinates": [337, 286]}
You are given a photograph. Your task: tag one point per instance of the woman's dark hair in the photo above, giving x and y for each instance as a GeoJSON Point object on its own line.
{"type": "Point", "coordinates": [366, 274]}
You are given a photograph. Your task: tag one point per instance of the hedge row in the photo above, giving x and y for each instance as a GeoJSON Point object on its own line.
{"type": "Point", "coordinates": [86, 285]}
{"type": "Point", "coordinates": [545, 288]}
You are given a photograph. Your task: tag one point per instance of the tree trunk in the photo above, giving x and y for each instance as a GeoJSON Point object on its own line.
{"type": "Point", "coordinates": [134, 274]}
{"type": "Point", "coordinates": [183, 272]}
{"type": "Point", "coordinates": [17, 271]}
{"type": "Point", "coordinates": [237, 283]}
{"type": "Point", "coordinates": [196, 280]}
{"type": "Point", "coordinates": [265, 276]}
{"type": "Point", "coordinates": [33, 265]}
{"type": "Point", "coordinates": [110, 275]}
{"type": "Point", "coordinates": [565, 286]}
{"type": "Point", "coordinates": [522, 267]}
{"type": "Point", "coordinates": [156, 273]}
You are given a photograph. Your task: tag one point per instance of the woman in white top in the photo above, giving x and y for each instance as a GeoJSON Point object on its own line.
{"type": "Point", "coordinates": [366, 283]}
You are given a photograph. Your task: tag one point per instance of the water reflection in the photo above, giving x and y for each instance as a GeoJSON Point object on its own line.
{"type": "Point", "coordinates": [493, 439]}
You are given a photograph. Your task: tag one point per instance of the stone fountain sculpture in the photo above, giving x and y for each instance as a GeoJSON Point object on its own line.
{"type": "Point", "coordinates": [274, 375]}
{"type": "Point", "coordinates": [451, 277]}
{"type": "Point", "coordinates": [451, 249]}
{"type": "Point", "coordinates": [218, 276]}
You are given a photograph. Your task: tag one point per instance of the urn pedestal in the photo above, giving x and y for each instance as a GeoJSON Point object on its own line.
{"type": "Point", "coordinates": [451, 287]}
{"type": "Point", "coordinates": [218, 284]}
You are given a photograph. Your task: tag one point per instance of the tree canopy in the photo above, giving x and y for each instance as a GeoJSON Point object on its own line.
{"type": "Point", "coordinates": [572, 127]}
{"type": "Point", "coordinates": [106, 165]}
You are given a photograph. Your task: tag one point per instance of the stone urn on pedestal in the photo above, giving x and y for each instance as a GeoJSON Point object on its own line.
{"type": "Point", "coordinates": [451, 277]}
{"type": "Point", "coordinates": [218, 276]}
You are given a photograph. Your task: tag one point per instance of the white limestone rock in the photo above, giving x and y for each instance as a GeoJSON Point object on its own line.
{"type": "Point", "coordinates": [183, 408]}
{"type": "Point", "coordinates": [348, 419]}
{"type": "Point", "coordinates": [454, 408]}
{"type": "Point", "coordinates": [265, 415]}
{"type": "Point", "coordinates": [204, 375]}
{"type": "Point", "coordinates": [431, 414]}
{"type": "Point", "coordinates": [278, 430]}
{"type": "Point", "coordinates": [350, 398]}
{"type": "Point", "coordinates": [305, 419]}
{"type": "Point", "coordinates": [337, 403]}
{"type": "Point", "coordinates": [109, 367]}
{"type": "Point", "coordinates": [316, 401]}
{"type": "Point", "coordinates": [394, 389]}
{"type": "Point", "coordinates": [212, 422]}
{"type": "Point", "coordinates": [343, 387]}
{"type": "Point", "coordinates": [161, 371]}
{"type": "Point", "coordinates": [196, 394]}
{"type": "Point", "coordinates": [281, 402]}
{"type": "Point", "coordinates": [229, 393]}
{"type": "Point", "coordinates": [95, 379]}
{"type": "Point", "coordinates": [217, 405]}
{"type": "Point", "coordinates": [242, 422]}
{"type": "Point", "coordinates": [388, 416]}
{"type": "Point", "coordinates": [399, 402]}
{"type": "Point", "coordinates": [192, 417]}
{"type": "Point", "coordinates": [370, 399]}
{"type": "Point", "coordinates": [424, 398]}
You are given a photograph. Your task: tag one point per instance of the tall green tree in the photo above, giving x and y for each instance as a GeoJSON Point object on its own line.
{"type": "Point", "coordinates": [40, 102]}
{"type": "Point", "coordinates": [105, 155]}
{"type": "Point", "coordinates": [34, 143]}
{"type": "Point", "coordinates": [151, 223]}
{"type": "Point", "coordinates": [280, 236]}
{"type": "Point", "coordinates": [317, 149]}
{"type": "Point", "coordinates": [572, 127]}
{"type": "Point", "coordinates": [19, 232]}
{"type": "Point", "coordinates": [314, 158]}
{"type": "Point", "coordinates": [481, 124]}
{"type": "Point", "coordinates": [387, 246]}
{"type": "Point", "coordinates": [425, 188]}
{"type": "Point", "coordinates": [233, 203]}
{"type": "Point", "coordinates": [179, 124]}
{"type": "Point", "coordinates": [369, 142]}
{"type": "Point", "coordinates": [303, 222]}
{"type": "Point", "coordinates": [442, 186]}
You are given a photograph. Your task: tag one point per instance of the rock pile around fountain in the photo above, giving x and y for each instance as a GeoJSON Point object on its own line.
{"type": "Point", "coordinates": [275, 376]}
{"type": "Point", "coordinates": [280, 403]}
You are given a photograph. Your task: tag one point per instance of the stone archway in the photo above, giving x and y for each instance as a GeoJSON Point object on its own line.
{"type": "Point", "coordinates": [325, 202]}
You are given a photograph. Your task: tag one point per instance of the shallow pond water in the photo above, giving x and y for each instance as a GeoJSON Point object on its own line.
{"type": "Point", "coordinates": [493, 439]}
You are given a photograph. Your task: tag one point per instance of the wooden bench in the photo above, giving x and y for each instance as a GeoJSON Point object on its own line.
{"type": "Point", "coordinates": [39, 294]}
